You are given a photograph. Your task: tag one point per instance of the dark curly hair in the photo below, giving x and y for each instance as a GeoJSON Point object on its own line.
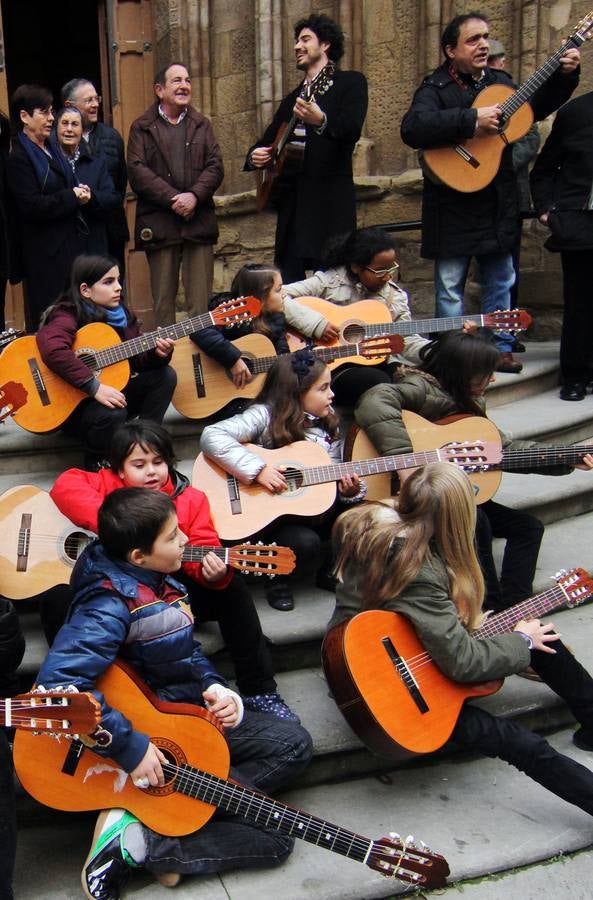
{"type": "Point", "coordinates": [358, 247]}
{"type": "Point", "coordinates": [327, 31]}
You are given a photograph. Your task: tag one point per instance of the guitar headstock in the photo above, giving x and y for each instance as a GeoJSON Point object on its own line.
{"type": "Point", "coordinates": [510, 320]}
{"type": "Point", "coordinates": [262, 559]}
{"type": "Point", "coordinates": [577, 584]}
{"type": "Point", "coordinates": [6, 337]}
{"type": "Point", "coordinates": [472, 456]}
{"type": "Point", "coordinates": [384, 345]}
{"type": "Point", "coordinates": [584, 29]}
{"type": "Point", "coordinates": [408, 860]}
{"type": "Point", "coordinates": [233, 312]}
{"type": "Point", "coordinates": [59, 711]}
{"type": "Point", "coordinates": [12, 396]}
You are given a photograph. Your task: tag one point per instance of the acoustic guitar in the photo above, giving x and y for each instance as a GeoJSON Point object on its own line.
{"type": "Point", "coordinates": [473, 164]}
{"type": "Point", "coordinates": [204, 386]}
{"type": "Point", "coordinates": [391, 692]}
{"type": "Point", "coordinates": [41, 546]}
{"type": "Point", "coordinates": [240, 509]}
{"type": "Point", "coordinates": [287, 155]}
{"type": "Point", "coordinates": [56, 711]}
{"type": "Point", "coordinates": [369, 318]}
{"type": "Point", "coordinates": [486, 479]}
{"type": "Point", "coordinates": [50, 399]}
{"type": "Point", "coordinates": [69, 776]}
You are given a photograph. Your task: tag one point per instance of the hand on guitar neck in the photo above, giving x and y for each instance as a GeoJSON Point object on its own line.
{"type": "Point", "coordinates": [541, 634]}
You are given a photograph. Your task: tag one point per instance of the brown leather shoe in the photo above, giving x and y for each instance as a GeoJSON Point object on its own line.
{"type": "Point", "coordinates": [508, 364]}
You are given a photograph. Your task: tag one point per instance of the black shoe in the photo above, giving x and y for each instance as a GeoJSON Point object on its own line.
{"type": "Point", "coordinates": [107, 867]}
{"type": "Point", "coordinates": [583, 739]}
{"type": "Point", "coordinates": [279, 594]}
{"type": "Point", "coordinates": [573, 391]}
{"type": "Point", "coordinates": [506, 363]}
{"type": "Point", "coordinates": [518, 347]}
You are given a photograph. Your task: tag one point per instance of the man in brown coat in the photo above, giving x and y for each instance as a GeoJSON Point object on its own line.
{"type": "Point", "coordinates": [174, 166]}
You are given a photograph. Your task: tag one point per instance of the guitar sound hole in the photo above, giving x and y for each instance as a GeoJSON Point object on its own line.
{"type": "Point", "coordinates": [88, 358]}
{"type": "Point", "coordinates": [353, 333]}
{"type": "Point", "coordinates": [294, 479]}
{"type": "Point", "coordinates": [75, 544]}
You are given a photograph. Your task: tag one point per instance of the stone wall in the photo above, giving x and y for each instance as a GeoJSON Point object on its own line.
{"type": "Point", "coordinates": [240, 53]}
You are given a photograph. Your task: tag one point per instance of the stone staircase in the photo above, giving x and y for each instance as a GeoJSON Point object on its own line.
{"type": "Point", "coordinates": [446, 799]}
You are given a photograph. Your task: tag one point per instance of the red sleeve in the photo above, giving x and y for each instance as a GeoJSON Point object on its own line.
{"type": "Point", "coordinates": [193, 512]}
{"type": "Point", "coordinates": [79, 494]}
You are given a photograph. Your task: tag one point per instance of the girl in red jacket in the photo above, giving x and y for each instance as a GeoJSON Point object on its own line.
{"type": "Point", "coordinates": [95, 295]}
{"type": "Point", "coordinates": [141, 455]}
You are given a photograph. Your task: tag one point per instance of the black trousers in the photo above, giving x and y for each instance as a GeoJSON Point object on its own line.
{"type": "Point", "coordinates": [479, 730]}
{"type": "Point", "coordinates": [7, 818]}
{"type": "Point", "coordinates": [523, 534]}
{"type": "Point", "coordinates": [349, 382]}
{"type": "Point", "coordinates": [148, 395]}
{"type": "Point", "coordinates": [576, 340]}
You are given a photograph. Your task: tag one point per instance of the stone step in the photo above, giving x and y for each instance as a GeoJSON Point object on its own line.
{"type": "Point", "coordinates": [481, 814]}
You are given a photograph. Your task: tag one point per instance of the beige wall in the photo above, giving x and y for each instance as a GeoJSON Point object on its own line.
{"type": "Point", "coordinates": [240, 54]}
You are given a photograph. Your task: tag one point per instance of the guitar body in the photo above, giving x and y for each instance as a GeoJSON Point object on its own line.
{"type": "Point", "coordinates": [40, 545]}
{"type": "Point", "coordinates": [471, 174]}
{"type": "Point", "coordinates": [239, 510]}
{"type": "Point", "coordinates": [426, 435]}
{"type": "Point", "coordinates": [204, 386]}
{"type": "Point", "coordinates": [351, 321]}
{"type": "Point", "coordinates": [286, 161]}
{"type": "Point", "coordinates": [373, 693]}
{"type": "Point", "coordinates": [185, 733]}
{"type": "Point", "coordinates": [50, 399]}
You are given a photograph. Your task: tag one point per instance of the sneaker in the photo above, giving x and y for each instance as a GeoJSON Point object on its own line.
{"type": "Point", "coordinates": [583, 739]}
{"type": "Point", "coordinates": [273, 704]}
{"type": "Point", "coordinates": [107, 867]}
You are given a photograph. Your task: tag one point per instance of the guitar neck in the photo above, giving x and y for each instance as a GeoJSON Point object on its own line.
{"type": "Point", "coordinates": [197, 554]}
{"type": "Point", "coordinates": [327, 354]}
{"type": "Point", "coordinates": [135, 346]}
{"type": "Point", "coordinates": [270, 813]}
{"type": "Point", "coordinates": [375, 466]}
{"type": "Point", "coordinates": [535, 81]}
{"type": "Point", "coordinates": [532, 608]}
{"type": "Point", "coordinates": [516, 460]}
{"type": "Point", "coordinates": [422, 326]}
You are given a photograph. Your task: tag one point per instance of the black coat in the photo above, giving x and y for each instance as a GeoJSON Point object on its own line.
{"type": "Point", "coordinates": [563, 172]}
{"type": "Point", "coordinates": [107, 143]}
{"type": "Point", "coordinates": [486, 221]}
{"type": "Point", "coordinates": [104, 203]}
{"type": "Point", "coordinates": [51, 235]}
{"type": "Point", "coordinates": [323, 202]}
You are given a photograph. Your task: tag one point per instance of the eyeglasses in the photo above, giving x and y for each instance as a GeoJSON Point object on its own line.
{"type": "Point", "coordinates": [381, 273]}
{"type": "Point", "coordinates": [47, 113]}
{"type": "Point", "coordinates": [88, 100]}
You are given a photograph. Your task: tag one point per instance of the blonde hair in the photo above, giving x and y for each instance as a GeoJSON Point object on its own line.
{"type": "Point", "coordinates": [436, 504]}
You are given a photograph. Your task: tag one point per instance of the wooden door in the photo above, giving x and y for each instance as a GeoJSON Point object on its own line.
{"type": "Point", "coordinates": [130, 67]}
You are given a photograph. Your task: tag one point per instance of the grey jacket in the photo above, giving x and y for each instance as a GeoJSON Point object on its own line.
{"type": "Point", "coordinates": [224, 442]}
{"type": "Point", "coordinates": [427, 604]}
{"type": "Point", "coordinates": [337, 286]}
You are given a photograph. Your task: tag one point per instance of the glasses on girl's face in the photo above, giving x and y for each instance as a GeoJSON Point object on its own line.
{"type": "Point", "coordinates": [381, 273]}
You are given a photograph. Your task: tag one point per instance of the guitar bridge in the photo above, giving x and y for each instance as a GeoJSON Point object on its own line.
{"type": "Point", "coordinates": [22, 557]}
{"type": "Point", "coordinates": [234, 495]}
{"type": "Point", "coordinates": [198, 375]}
{"type": "Point", "coordinates": [38, 382]}
{"type": "Point", "coordinates": [406, 676]}
{"type": "Point", "coordinates": [464, 153]}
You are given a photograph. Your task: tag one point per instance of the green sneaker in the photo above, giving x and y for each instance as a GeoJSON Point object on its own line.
{"type": "Point", "coordinates": [107, 867]}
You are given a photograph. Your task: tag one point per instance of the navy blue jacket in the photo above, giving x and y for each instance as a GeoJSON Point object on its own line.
{"type": "Point", "coordinates": [121, 610]}
{"type": "Point", "coordinates": [216, 342]}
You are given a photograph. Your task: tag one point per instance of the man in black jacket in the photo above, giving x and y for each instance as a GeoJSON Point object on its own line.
{"type": "Point", "coordinates": [318, 202]}
{"type": "Point", "coordinates": [457, 226]}
{"type": "Point", "coordinates": [107, 143]}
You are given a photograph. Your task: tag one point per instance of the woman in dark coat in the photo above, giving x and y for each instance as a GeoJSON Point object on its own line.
{"type": "Point", "coordinates": [90, 171]}
{"type": "Point", "coordinates": [47, 202]}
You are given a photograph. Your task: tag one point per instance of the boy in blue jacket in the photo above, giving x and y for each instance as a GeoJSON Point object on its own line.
{"type": "Point", "coordinates": [127, 604]}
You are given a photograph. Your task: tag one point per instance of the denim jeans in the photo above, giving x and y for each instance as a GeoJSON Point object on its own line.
{"type": "Point", "coordinates": [497, 277]}
{"type": "Point", "coordinates": [479, 730]}
{"type": "Point", "coordinates": [266, 753]}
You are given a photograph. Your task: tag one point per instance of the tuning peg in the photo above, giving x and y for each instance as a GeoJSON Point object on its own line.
{"type": "Point", "coordinates": [560, 574]}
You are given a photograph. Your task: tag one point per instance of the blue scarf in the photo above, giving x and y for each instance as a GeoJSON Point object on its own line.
{"type": "Point", "coordinates": [117, 317]}
{"type": "Point", "coordinates": [46, 176]}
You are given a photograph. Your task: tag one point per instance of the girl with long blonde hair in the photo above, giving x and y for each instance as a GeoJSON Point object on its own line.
{"type": "Point", "coordinates": [417, 558]}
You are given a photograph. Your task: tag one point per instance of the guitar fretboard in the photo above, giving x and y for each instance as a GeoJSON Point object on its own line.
{"type": "Point", "coordinates": [361, 467]}
{"type": "Point", "coordinates": [535, 81]}
{"type": "Point", "coordinates": [422, 326]}
{"type": "Point", "coordinates": [532, 608]}
{"type": "Point", "coordinates": [270, 813]}
{"type": "Point", "coordinates": [135, 346]}
{"type": "Point", "coordinates": [543, 456]}
{"type": "Point", "coordinates": [327, 354]}
{"type": "Point", "coordinates": [197, 554]}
